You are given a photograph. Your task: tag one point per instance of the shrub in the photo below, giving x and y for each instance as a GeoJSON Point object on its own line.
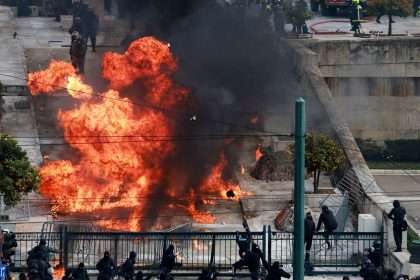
{"type": "Point", "coordinates": [403, 149]}
{"type": "Point", "coordinates": [370, 150]}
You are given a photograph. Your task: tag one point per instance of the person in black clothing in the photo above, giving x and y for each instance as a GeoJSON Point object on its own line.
{"type": "Point", "coordinates": [330, 224]}
{"type": "Point", "coordinates": [374, 253]}
{"type": "Point", "coordinates": [77, 26]}
{"type": "Point", "coordinates": [108, 6]}
{"type": "Point", "coordinates": [106, 267]}
{"type": "Point", "coordinates": [80, 273]}
{"type": "Point", "coordinates": [368, 271]}
{"type": "Point", "coordinates": [309, 234]}
{"type": "Point", "coordinates": [167, 263]}
{"type": "Point", "coordinates": [91, 27]}
{"type": "Point", "coordinates": [127, 269]}
{"type": "Point", "coordinates": [244, 241]}
{"type": "Point", "coordinates": [78, 52]}
{"type": "Point", "coordinates": [274, 271]}
{"type": "Point", "coordinates": [22, 276]}
{"type": "Point", "coordinates": [67, 274]}
{"type": "Point", "coordinates": [397, 216]}
{"type": "Point", "coordinates": [253, 261]}
{"type": "Point", "coordinates": [139, 276]}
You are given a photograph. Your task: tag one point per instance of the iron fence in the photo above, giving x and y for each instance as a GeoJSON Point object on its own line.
{"type": "Point", "coordinates": [195, 250]}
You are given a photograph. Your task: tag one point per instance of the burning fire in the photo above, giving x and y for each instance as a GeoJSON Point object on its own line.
{"type": "Point", "coordinates": [258, 153]}
{"type": "Point", "coordinates": [198, 246]}
{"type": "Point", "coordinates": [58, 270]}
{"type": "Point", "coordinates": [119, 167]}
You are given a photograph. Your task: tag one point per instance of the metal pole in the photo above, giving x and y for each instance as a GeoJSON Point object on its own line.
{"type": "Point", "coordinates": [299, 190]}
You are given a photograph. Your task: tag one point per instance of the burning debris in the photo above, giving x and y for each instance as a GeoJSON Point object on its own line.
{"type": "Point", "coordinates": [125, 149]}
{"type": "Point", "coordinates": [273, 166]}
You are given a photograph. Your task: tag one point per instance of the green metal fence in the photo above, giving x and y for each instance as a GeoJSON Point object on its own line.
{"type": "Point", "coordinates": [195, 250]}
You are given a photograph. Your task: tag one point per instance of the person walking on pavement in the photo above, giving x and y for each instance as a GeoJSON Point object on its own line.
{"type": "Point", "coordinates": [309, 234]}
{"type": "Point", "coordinates": [397, 216]}
{"type": "Point", "coordinates": [106, 267]}
{"type": "Point", "coordinates": [327, 219]}
{"type": "Point", "coordinates": [355, 15]}
{"type": "Point", "coordinates": [416, 4]}
{"type": "Point", "coordinates": [78, 52]}
{"type": "Point", "coordinates": [91, 26]}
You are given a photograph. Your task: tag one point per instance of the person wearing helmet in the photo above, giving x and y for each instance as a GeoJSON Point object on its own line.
{"type": "Point", "coordinates": [327, 219]}
{"type": "Point", "coordinates": [127, 269]}
{"type": "Point", "coordinates": [77, 26]}
{"type": "Point", "coordinates": [106, 267]}
{"type": "Point", "coordinates": [397, 216]}
{"type": "Point", "coordinates": [368, 271]}
{"type": "Point", "coordinates": [355, 15]}
{"type": "Point", "coordinates": [78, 52]}
{"type": "Point", "coordinates": [374, 253]}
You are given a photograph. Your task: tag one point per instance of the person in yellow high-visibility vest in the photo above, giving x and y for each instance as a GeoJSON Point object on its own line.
{"type": "Point", "coordinates": [355, 15]}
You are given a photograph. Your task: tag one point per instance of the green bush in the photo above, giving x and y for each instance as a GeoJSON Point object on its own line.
{"type": "Point", "coordinates": [403, 149]}
{"type": "Point", "coordinates": [411, 236]}
{"type": "Point", "coordinates": [370, 150]}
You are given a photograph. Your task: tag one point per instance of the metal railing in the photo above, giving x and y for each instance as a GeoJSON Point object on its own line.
{"type": "Point", "coordinates": [196, 250]}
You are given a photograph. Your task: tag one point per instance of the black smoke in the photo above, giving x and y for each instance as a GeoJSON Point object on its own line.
{"type": "Point", "coordinates": [236, 68]}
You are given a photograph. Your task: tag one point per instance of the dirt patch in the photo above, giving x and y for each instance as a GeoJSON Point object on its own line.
{"type": "Point", "coordinates": [274, 166]}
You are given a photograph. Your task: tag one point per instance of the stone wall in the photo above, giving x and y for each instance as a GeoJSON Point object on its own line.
{"type": "Point", "coordinates": [375, 84]}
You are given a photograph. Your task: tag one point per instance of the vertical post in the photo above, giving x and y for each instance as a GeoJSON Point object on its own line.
{"type": "Point", "coordinates": [66, 248]}
{"type": "Point", "coordinates": [116, 250]}
{"type": "Point", "coordinates": [269, 245]}
{"type": "Point", "coordinates": [382, 245]}
{"type": "Point", "coordinates": [213, 250]}
{"type": "Point", "coordinates": [264, 249]}
{"type": "Point", "coordinates": [299, 190]}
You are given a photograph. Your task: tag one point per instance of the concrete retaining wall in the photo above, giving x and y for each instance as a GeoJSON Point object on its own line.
{"type": "Point", "coordinates": [375, 84]}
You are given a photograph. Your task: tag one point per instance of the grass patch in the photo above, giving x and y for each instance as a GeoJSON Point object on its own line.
{"type": "Point", "coordinates": [411, 236]}
{"type": "Point", "coordinates": [405, 165]}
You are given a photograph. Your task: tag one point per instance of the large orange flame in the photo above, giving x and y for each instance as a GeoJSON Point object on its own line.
{"type": "Point", "coordinates": [119, 167]}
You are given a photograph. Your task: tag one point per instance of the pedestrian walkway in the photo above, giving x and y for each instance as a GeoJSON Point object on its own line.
{"type": "Point", "coordinates": [338, 27]}
{"type": "Point", "coordinates": [11, 62]}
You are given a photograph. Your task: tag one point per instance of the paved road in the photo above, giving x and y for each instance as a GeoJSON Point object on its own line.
{"type": "Point", "coordinates": [332, 28]}
{"type": "Point", "coordinates": [404, 187]}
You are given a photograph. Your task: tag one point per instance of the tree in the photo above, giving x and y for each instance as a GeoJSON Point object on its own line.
{"type": "Point", "coordinates": [322, 153]}
{"type": "Point", "coordinates": [17, 176]}
{"type": "Point", "coordinates": [399, 8]}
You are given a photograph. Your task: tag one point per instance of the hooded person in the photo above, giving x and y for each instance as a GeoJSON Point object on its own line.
{"type": "Point", "coordinates": [127, 269]}
{"type": "Point", "coordinates": [167, 263]}
{"type": "Point", "coordinates": [397, 216]}
{"type": "Point", "coordinates": [106, 267]}
{"type": "Point", "coordinates": [330, 224]}
{"type": "Point", "coordinates": [309, 234]}
{"type": "Point", "coordinates": [80, 273]}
